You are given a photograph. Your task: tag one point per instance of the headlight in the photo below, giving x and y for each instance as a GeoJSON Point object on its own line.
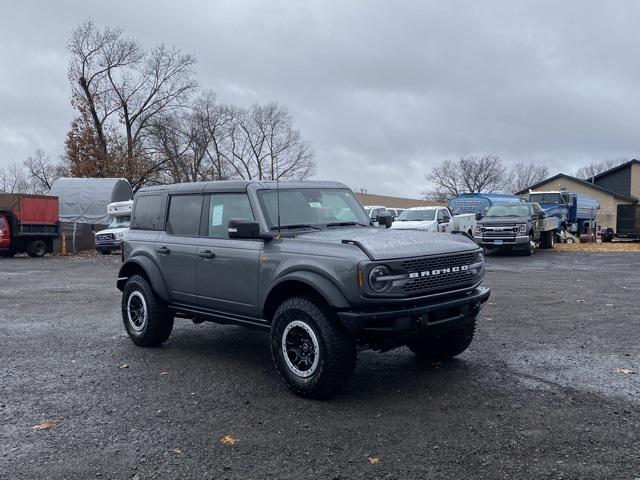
{"type": "Point", "coordinates": [522, 228]}
{"type": "Point", "coordinates": [477, 231]}
{"type": "Point", "coordinates": [374, 274]}
{"type": "Point", "coordinates": [119, 236]}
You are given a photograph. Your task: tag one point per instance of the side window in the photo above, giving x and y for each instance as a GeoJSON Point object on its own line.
{"type": "Point", "coordinates": [184, 215]}
{"type": "Point", "coordinates": [222, 208]}
{"type": "Point", "coordinates": [146, 214]}
{"type": "Point", "coordinates": [446, 216]}
{"type": "Point", "coordinates": [440, 215]}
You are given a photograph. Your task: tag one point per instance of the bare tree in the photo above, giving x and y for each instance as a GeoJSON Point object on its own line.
{"type": "Point", "coordinates": [524, 175]}
{"type": "Point", "coordinates": [472, 174]}
{"type": "Point", "coordinates": [13, 179]}
{"type": "Point", "coordinates": [592, 169]}
{"type": "Point", "coordinates": [265, 146]}
{"type": "Point", "coordinates": [43, 171]}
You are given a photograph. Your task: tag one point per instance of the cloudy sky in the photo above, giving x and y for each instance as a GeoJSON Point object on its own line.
{"type": "Point", "coordinates": [383, 90]}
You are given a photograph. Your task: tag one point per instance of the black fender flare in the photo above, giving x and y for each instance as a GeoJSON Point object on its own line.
{"type": "Point", "coordinates": [150, 269]}
{"type": "Point", "coordinates": [320, 283]}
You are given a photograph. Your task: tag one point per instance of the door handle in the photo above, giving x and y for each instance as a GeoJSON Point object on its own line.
{"type": "Point", "coordinates": [206, 254]}
{"type": "Point", "coordinates": [163, 250]}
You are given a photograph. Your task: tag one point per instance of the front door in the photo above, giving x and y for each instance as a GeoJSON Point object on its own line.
{"type": "Point", "coordinates": [176, 248]}
{"type": "Point", "coordinates": [443, 219]}
{"type": "Point", "coordinates": [228, 269]}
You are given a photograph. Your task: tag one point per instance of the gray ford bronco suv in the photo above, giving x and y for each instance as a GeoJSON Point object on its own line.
{"type": "Point", "coordinates": [302, 261]}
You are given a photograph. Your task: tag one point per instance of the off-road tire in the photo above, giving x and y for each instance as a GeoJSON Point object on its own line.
{"type": "Point", "coordinates": [37, 249]}
{"type": "Point", "coordinates": [444, 346]}
{"type": "Point", "coordinates": [548, 239]}
{"type": "Point", "coordinates": [158, 323]}
{"type": "Point", "coordinates": [336, 355]}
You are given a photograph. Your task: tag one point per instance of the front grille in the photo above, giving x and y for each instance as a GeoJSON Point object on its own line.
{"type": "Point", "coordinates": [105, 236]}
{"type": "Point", "coordinates": [440, 281]}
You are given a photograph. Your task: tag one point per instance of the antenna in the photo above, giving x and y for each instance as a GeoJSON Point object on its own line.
{"type": "Point", "coordinates": [278, 193]}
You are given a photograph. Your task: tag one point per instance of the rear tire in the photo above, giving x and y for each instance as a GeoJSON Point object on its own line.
{"type": "Point", "coordinates": [445, 346]}
{"type": "Point", "coordinates": [37, 249]}
{"type": "Point", "coordinates": [146, 318]}
{"type": "Point", "coordinates": [548, 239]}
{"type": "Point", "coordinates": [313, 353]}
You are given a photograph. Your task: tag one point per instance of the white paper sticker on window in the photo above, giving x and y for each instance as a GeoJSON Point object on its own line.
{"type": "Point", "coordinates": [315, 204]}
{"type": "Point", "coordinates": [216, 216]}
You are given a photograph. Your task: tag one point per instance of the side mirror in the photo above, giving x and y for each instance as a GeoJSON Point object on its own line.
{"type": "Point", "coordinates": [478, 215]}
{"type": "Point", "coordinates": [542, 215]}
{"type": "Point", "coordinates": [243, 228]}
{"type": "Point", "coordinates": [385, 218]}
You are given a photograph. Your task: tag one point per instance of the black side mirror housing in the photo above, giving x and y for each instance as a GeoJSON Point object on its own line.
{"type": "Point", "coordinates": [478, 215]}
{"type": "Point", "coordinates": [243, 228]}
{"type": "Point", "coordinates": [542, 215]}
{"type": "Point", "coordinates": [385, 219]}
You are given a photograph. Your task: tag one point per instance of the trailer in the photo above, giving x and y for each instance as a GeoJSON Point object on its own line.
{"type": "Point", "coordinates": [28, 223]}
{"type": "Point", "coordinates": [627, 224]}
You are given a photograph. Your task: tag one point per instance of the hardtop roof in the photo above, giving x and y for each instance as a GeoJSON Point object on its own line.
{"type": "Point", "coordinates": [238, 186]}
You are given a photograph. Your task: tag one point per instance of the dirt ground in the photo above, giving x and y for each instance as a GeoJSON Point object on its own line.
{"type": "Point", "coordinates": [598, 247]}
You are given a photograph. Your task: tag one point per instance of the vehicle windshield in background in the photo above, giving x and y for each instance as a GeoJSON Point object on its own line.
{"type": "Point", "coordinates": [416, 216]}
{"type": "Point", "coordinates": [545, 198]}
{"type": "Point", "coordinates": [119, 222]}
{"type": "Point", "coordinates": [508, 211]}
{"type": "Point", "coordinates": [312, 207]}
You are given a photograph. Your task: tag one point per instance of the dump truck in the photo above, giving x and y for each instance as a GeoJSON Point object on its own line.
{"type": "Point", "coordinates": [28, 223]}
{"type": "Point", "coordinates": [575, 212]}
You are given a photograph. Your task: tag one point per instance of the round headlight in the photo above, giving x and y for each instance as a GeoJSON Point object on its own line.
{"type": "Point", "coordinates": [377, 272]}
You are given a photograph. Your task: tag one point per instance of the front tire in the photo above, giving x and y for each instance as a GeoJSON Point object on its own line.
{"type": "Point", "coordinates": [445, 346]}
{"type": "Point", "coordinates": [548, 239]}
{"type": "Point", "coordinates": [313, 353]}
{"type": "Point", "coordinates": [146, 318]}
{"type": "Point", "coordinates": [37, 249]}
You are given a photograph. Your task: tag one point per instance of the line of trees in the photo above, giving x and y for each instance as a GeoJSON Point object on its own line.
{"type": "Point", "coordinates": [474, 174]}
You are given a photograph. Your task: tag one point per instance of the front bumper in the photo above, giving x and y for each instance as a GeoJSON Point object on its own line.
{"type": "Point", "coordinates": [503, 241]}
{"type": "Point", "coordinates": [109, 244]}
{"type": "Point", "coordinates": [445, 314]}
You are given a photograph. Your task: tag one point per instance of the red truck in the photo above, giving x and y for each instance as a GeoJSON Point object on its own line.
{"type": "Point", "coordinates": [28, 223]}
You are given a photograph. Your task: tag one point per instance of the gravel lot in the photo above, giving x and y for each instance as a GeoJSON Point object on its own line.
{"type": "Point", "coordinates": [538, 395]}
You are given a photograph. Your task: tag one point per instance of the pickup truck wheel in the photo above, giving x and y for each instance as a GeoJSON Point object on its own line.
{"type": "Point", "coordinates": [312, 352]}
{"type": "Point", "coordinates": [528, 251]}
{"type": "Point", "coordinates": [548, 239]}
{"type": "Point", "coordinates": [37, 248]}
{"type": "Point", "coordinates": [438, 348]}
{"type": "Point", "coordinates": [147, 319]}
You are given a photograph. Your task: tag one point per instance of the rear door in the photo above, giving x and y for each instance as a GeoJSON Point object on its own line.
{"type": "Point", "coordinates": [176, 250]}
{"type": "Point", "coordinates": [227, 268]}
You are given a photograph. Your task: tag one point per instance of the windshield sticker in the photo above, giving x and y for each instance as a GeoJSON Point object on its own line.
{"type": "Point", "coordinates": [315, 204]}
{"type": "Point", "coordinates": [216, 215]}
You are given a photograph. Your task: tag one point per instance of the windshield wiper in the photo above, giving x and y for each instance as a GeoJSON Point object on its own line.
{"type": "Point", "coordinates": [345, 224]}
{"type": "Point", "coordinates": [297, 225]}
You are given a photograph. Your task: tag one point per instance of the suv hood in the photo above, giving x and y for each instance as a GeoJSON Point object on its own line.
{"type": "Point", "coordinates": [413, 225]}
{"type": "Point", "coordinates": [386, 244]}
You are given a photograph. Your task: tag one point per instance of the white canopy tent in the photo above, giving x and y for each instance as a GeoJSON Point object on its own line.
{"type": "Point", "coordinates": [85, 200]}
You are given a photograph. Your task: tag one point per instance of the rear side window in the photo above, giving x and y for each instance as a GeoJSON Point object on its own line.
{"type": "Point", "coordinates": [147, 214]}
{"type": "Point", "coordinates": [184, 215]}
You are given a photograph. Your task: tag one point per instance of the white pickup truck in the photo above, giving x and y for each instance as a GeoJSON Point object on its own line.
{"type": "Point", "coordinates": [111, 238]}
{"type": "Point", "coordinates": [434, 219]}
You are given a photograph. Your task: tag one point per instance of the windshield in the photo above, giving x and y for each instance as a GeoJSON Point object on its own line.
{"type": "Point", "coordinates": [416, 216]}
{"type": "Point", "coordinates": [509, 211]}
{"type": "Point", "coordinates": [120, 222]}
{"type": "Point", "coordinates": [545, 198]}
{"type": "Point", "coordinates": [317, 207]}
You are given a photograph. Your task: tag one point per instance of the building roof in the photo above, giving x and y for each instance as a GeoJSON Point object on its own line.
{"type": "Point", "coordinates": [583, 182]}
{"type": "Point", "coordinates": [613, 170]}
{"type": "Point", "coordinates": [393, 202]}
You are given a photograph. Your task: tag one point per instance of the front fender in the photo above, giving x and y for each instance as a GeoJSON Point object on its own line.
{"type": "Point", "coordinates": [324, 286]}
{"type": "Point", "coordinates": [141, 262]}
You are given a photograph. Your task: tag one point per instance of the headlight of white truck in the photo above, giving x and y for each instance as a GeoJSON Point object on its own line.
{"type": "Point", "coordinates": [118, 236]}
{"type": "Point", "coordinates": [477, 231]}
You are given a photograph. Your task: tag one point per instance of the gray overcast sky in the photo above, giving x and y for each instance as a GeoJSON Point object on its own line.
{"type": "Point", "coordinates": [383, 90]}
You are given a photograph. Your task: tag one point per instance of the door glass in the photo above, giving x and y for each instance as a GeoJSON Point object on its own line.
{"type": "Point", "coordinates": [222, 208]}
{"type": "Point", "coordinates": [184, 215]}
